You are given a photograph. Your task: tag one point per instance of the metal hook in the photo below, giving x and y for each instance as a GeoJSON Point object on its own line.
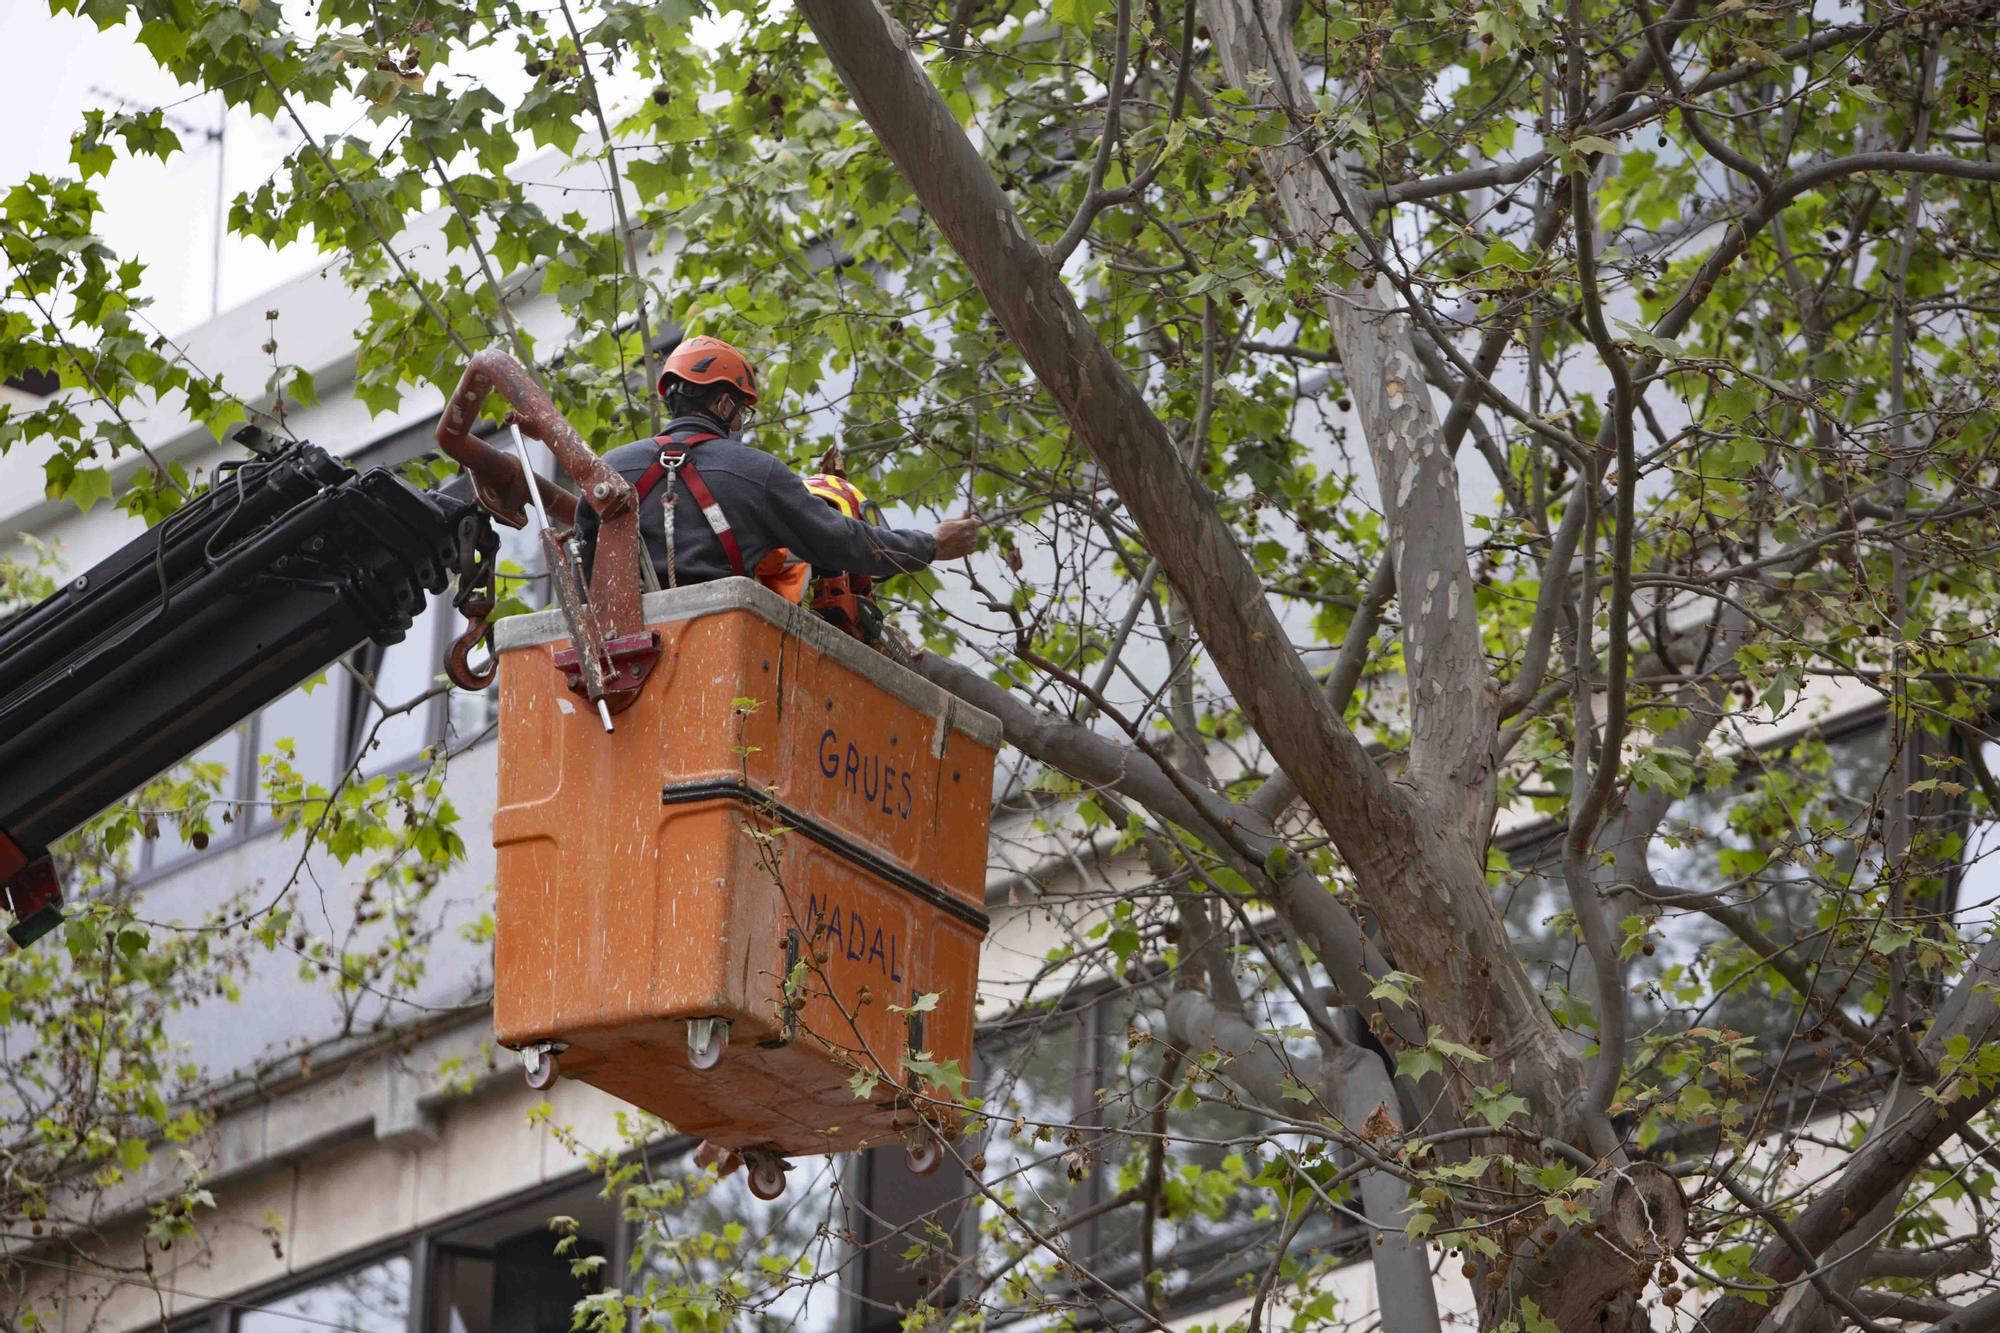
{"type": "Point", "coordinates": [478, 560]}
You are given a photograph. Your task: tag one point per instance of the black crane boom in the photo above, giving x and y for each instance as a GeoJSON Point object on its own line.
{"type": "Point", "coordinates": [287, 562]}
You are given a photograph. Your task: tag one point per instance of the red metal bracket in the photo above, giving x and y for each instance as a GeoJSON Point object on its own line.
{"type": "Point", "coordinates": [626, 664]}
{"type": "Point", "coordinates": [12, 858]}
{"type": "Point", "coordinates": [612, 614]}
{"type": "Point", "coordinates": [501, 488]}
{"type": "Point", "coordinates": [32, 892]}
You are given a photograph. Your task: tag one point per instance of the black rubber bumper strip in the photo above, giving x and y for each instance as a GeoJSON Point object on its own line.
{"type": "Point", "coordinates": [736, 789]}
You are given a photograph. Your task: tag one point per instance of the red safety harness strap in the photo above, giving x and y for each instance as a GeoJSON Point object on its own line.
{"type": "Point", "coordinates": [677, 457]}
{"type": "Point", "coordinates": [650, 480]}
{"type": "Point", "coordinates": [712, 511]}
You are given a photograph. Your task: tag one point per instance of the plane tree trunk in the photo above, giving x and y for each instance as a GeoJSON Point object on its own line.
{"type": "Point", "coordinates": [1416, 846]}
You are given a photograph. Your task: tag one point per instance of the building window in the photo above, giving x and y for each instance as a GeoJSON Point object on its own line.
{"type": "Point", "coordinates": [523, 1269]}
{"type": "Point", "coordinates": [780, 1264]}
{"type": "Point", "coordinates": [1777, 835]}
{"type": "Point", "coordinates": [909, 1239]}
{"type": "Point", "coordinates": [1976, 885]}
{"type": "Point", "coordinates": [330, 722]}
{"type": "Point", "coordinates": [308, 721]}
{"type": "Point", "coordinates": [384, 681]}
{"type": "Point", "coordinates": [1076, 1097]}
{"type": "Point", "coordinates": [370, 1299]}
{"type": "Point", "coordinates": [184, 835]}
{"type": "Point", "coordinates": [35, 382]}
{"type": "Point", "coordinates": [523, 582]}
{"type": "Point", "coordinates": [393, 676]}
{"type": "Point", "coordinates": [519, 1283]}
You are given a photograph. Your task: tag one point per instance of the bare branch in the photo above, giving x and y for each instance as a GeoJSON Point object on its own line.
{"type": "Point", "coordinates": [626, 233]}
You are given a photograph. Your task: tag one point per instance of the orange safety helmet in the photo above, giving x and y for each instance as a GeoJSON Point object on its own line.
{"type": "Point", "coordinates": [706, 360]}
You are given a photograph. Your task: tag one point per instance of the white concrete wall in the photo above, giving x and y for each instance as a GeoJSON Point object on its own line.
{"type": "Point", "coordinates": [337, 1199]}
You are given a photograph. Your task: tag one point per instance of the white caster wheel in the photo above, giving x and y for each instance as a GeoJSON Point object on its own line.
{"type": "Point", "coordinates": [767, 1175]}
{"type": "Point", "coordinates": [922, 1153]}
{"type": "Point", "coordinates": [539, 1065]}
{"type": "Point", "coordinates": [708, 1038]}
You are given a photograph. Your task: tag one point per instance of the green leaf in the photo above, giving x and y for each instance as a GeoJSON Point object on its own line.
{"type": "Point", "coordinates": [1395, 987]}
{"type": "Point", "coordinates": [1269, 132]}
{"type": "Point", "coordinates": [228, 413]}
{"type": "Point", "coordinates": [1418, 1062]}
{"type": "Point", "coordinates": [651, 178]}
{"type": "Point", "coordinates": [85, 487]}
{"type": "Point", "coordinates": [1456, 1051]}
{"type": "Point", "coordinates": [1082, 14]}
{"type": "Point", "coordinates": [944, 1073]}
{"type": "Point", "coordinates": [1496, 1106]}
{"type": "Point", "coordinates": [1503, 253]}
{"type": "Point", "coordinates": [164, 40]}
{"type": "Point", "coordinates": [1495, 34]}
{"type": "Point", "coordinates": [1648, 340]}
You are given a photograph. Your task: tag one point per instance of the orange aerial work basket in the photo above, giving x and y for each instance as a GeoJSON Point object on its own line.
{"type": "Point", "coordinates": [741, 856]}
{"type": "Point", "coordinates": [728, 908]}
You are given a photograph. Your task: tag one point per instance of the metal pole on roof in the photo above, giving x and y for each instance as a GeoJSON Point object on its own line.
{"type": "Point", "coordinates": [218, 136]}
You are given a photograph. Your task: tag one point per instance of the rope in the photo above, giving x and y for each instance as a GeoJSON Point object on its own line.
{"type": "Point", "coordinates": [673, 481]}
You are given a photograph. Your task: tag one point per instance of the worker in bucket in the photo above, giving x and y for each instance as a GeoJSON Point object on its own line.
{"type": "Point", "coordinates": [712, 507]}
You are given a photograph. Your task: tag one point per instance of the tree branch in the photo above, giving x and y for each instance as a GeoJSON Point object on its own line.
{"type": "Point", "coordinates": [1908, 1126]}
{"type": "Point", "coordinates": [1095, 198]}
{"type": "Point", "coordinates": [1369, 819]}
{"type": "Point", "coordinates": [625, 230]}
{"type": "Point", "coordinates": [388, 250]}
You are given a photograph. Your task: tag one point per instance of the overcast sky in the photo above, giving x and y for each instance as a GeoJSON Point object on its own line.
{"type": "Point", "coordinates": [166, 215]}
{"type": "Point", "coordinates": [163, 214]}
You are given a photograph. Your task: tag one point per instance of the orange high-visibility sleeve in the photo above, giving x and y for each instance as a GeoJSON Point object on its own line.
{"type": "Point", "coordinates": [787, 580]}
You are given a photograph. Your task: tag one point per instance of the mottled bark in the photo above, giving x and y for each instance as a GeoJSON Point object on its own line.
{"type": "Point", "coordinates": [1451, 692]}
{"type": "Point", "coordinates": [1593, 1282]}
{"type": "Point", "coordinates": [1455, 710]}
{"type": "Point", "coordinates": [1422, 882]}
{"type": "Point", "coordinates": [1437, 913]}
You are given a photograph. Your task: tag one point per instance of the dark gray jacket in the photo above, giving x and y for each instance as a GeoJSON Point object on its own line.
{"type": "Point", "coordinates": [767, 506]}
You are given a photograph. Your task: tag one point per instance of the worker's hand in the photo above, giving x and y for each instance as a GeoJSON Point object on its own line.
{"type": "Point", "coordinates": [957, 536]}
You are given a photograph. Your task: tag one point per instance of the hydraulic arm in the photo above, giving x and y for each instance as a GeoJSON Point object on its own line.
{"type": "Point", "coordinates": [289, 561]}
